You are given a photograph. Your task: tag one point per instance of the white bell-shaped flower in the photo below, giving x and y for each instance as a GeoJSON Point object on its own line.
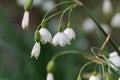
{"type": "Point", "coordinates": [115, 20]}
{"type": "Point", "coordinates": [115, 59]}
{"type": "Point", "coordinates": [50, 76]}
{"type": "Point", "coordinates": [60, 38]}
{"type": "Point", "coordinates": [107, 7]}
{"type": "Point", "coordinates": [36, 50]}
{"type": "Point", "coordinates": [94, 78]}
{"type": "Point", "coordinates": [70, 33]}
{"type": "Point", "coordinates": [45, 35]}
{"type": "Point", "coordinates": [25, 20]}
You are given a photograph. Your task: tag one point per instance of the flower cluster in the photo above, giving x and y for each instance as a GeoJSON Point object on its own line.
{"type": "Point", "coordinates": [64, 37]}
{"type": "Point", "coordinates": [60, 38]}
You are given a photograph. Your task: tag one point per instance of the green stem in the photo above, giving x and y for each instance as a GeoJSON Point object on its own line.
{"type": "Point", "coordinates": [84, 55]}
{"type": "Point", "coordinates": [101, 72]}
{"type": "Point", "coordinates": [64, 53]}
{"type": "Point", "coordinates": [53, 15]}
{"type": "Point", "coordinates": [101, 29]}
{"type": "Point", "coordinates": [49, 18]}
{"type": "Point", "coordinates": [59, 26]}
{"type": "Point", "coordinates": [84, 67]}
{"type": "Point", "coordinates": [65, 2]}
{"type": "Point", "coordinates": [69, 16]}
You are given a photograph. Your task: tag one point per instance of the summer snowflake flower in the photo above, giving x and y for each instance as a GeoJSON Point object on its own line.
{"type": "Point", "coordinates": [50, 76]}
{"type": "Point", "coordinates": [45, 35]}
{"type": "Point", "coordinates": [94, 78]}
{"type": "Point", "coordinates": [107, 7]}
{"type": "Point", "coordinates": [36, 50]}
{"type": "Point", "coordinates": [115, 59]}
{"type": "Point", "coordinates": [115, 20]}
{"type": "Point", "coordinates": [25, 20]}
{"type": "Point", "coordinates": [60, 38]}
{"type": "Point", "coordinates": [70, 33]}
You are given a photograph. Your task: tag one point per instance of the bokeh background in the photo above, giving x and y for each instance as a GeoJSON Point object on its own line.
{"type": "Point", "coordinates": [16, 44]}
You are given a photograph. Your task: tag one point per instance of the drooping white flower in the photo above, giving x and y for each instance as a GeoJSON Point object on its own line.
{"type": "Point", "coordinates": [70, 33]}
{"type": "Point", "coordinates": [45, 35]}
{"type": "Point", "coordinates": [115, 59]}
{"type": "Point", "coordinates": [115, 20]}
{"type": "Point", "coordinates": [61, 39]}
{"type": "Point", "coordinates": [88, 25]}
{"type": "Point", "coordinates": [36, 50]}
{"type": "Point", "coordinates": [25, 20]}
{"type": "Point", "coordinates": [94, 78]}
{"type": "Point", "coordinates": [50, 76]}
{"type": "Point", "coordinates": [107, 7]}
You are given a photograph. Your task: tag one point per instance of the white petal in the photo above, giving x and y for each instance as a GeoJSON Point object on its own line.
{"type": "Point", "coordinates": [94, 78]}
{"type": "Point", "coordinates": [55, 39]}
{"type": "Point", "coordinates": [107, 7]}
{"type": "Point", "coordinates": [115, 20]}
{"type": "Point", "coordinates": [25, 20]}
{"type": "Point", "coordinates": [36, 50]}
{"type": "Point", "coordinates": [61, 39]}
{"type": "Point", "coordinates": [45, 35]}
{"type": "Point", "coordinates": [50, 76]}
{"type": "Point", "coordinates": [64, 39]}
{"type": "Point", "coordinates": [115, 59]}
{"type": "Point", "coordinates": [113, 54]}
{"type": "Point", "coordinates": [70, 33]}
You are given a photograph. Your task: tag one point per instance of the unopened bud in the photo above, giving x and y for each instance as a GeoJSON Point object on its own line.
{"type": "Point", "coordinates": [37, 36]}
{"type": "Point", "coordinates": [51, 66]}
{"type": "Point", "coordinates": [28, 5]}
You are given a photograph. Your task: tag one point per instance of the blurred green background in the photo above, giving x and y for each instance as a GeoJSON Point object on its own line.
{"type": "Point", "coordinates": [16, 44]}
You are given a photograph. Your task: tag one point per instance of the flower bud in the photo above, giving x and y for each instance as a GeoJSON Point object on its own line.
{"type": "Point", "coordinates": [51, 66]}
{"type": "Point", "coordinates": [37, 36]}
{"type": "Point", "coordinates": [28, 5]}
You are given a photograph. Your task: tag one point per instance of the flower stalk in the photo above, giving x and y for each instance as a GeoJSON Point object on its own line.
{"type": "Point", "coordinates": [98, 25]}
